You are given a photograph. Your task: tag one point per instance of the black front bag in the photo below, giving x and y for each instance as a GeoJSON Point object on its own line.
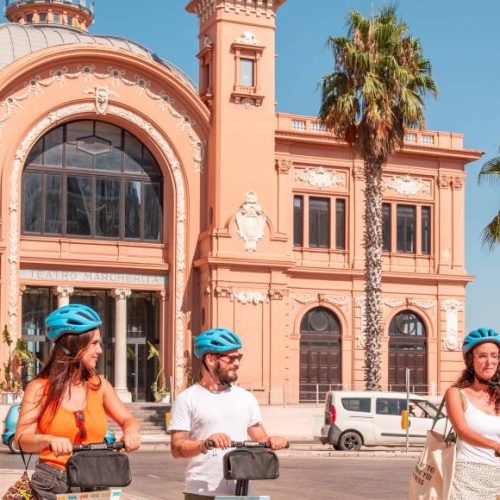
{"type": "Point", "coordinates": [258, 463]}
{"type": "Point", "coordinates": [98, 468]}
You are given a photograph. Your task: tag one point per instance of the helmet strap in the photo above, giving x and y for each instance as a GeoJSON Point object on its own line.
{"type": "Point", "coordinates": [217, 382]}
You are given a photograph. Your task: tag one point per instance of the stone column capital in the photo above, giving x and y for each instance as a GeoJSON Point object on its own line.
{"type": "Point", "coordinates": [63, 291]}
{"type": "Point", "coordinates": [162, 295]}
{"type": "Point", "coordinates": [121, 293]}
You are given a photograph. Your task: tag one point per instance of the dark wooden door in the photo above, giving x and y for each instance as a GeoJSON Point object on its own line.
{"type": "Point", "coordinates": [320, 361]}
{"type": "Point", "coordinates": [408, 353]}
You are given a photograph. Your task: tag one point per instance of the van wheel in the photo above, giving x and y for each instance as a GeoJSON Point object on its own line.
{"type": "Point", "coordinates": [350, 441]}
{"type": "Point", "coordinates": [10, 444]}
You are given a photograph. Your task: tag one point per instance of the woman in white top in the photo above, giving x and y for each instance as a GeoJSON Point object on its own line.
{"type": "Point", "coordinates": [473, 406]}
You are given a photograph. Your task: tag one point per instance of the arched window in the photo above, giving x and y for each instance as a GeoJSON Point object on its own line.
{"type": "Point", "coordinates": [407, 349]}
{"type": "Point", "coordinates": [319, 354]}
{"type": "Point", "coordinates": [93, 180]}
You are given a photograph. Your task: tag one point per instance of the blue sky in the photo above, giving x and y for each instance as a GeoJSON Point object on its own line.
{"type": "Point", "coordinates": [461, 40]}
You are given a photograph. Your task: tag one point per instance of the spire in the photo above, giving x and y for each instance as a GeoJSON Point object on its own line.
{"type": "Point", "coordinates": [78, 14]}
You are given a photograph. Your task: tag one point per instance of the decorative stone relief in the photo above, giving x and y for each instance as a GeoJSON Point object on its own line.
{"type": "Point", "coordinates": [37, 85]}
{"type": "Point", "coordinates": [336, 300]}
{"type": "Point", "coordinates": [444, 181]}
{"type": "Point", "coordinates": [222, 292]}
{"type": "Point", "coordinates": [457, 183]}
{"type": "Point", "coordinates": [208, 43]}
{"type": "Point", "coordinates": [320, 177]}
{"type": "Point", "coordinates": [358, 173]}
{"type": "Point", "coordinates": [423, 303]}
{"type": "Point", "coordinates": [283, 165]}
{"type": "Point", "coordinates": [250, 297]}
{"type": "Point", "coordinates": [407, 186]}
{"type": "Point", "coordinates": [248, 38]}
{"type": "Point", "coordinates": [391, 302]}
{"type": "Point", "coordinates": [180, 215]}
{"type": "Point", "coordinates": [63, 291]}
{"type": "Point", "coordinates": [303, 298]}
{"type": "Point", "coordinates": [275, 294]}
{"type": "Point", "coordinates": [251, 222]}
{"type": "Point", "coordinates": [102, 95]}
{"type": "Point", "coordinates": [451, 341]}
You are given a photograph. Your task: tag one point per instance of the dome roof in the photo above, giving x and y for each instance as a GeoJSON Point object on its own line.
{"type": "Point", "coordinates": [18, 40]}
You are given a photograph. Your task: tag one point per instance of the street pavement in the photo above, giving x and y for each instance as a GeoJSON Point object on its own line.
{"type": "Point", "coordinates": [306, 472]}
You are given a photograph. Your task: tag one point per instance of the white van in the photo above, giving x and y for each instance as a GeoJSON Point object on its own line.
{"type": "Point", "coordinates": [354, 419]}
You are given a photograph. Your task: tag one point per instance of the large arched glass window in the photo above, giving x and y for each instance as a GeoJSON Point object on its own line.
{"type": "Point", "coordinates": [92, 179]}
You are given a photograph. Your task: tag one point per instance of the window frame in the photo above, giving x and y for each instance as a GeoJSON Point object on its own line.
{"type": "Point", "coordinates": [148, 173]}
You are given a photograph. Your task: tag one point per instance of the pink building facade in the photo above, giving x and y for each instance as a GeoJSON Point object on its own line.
{"type": "Point", "coordinates": [171, 209]}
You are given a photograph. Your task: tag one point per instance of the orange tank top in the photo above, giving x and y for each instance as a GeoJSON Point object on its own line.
{"type": "Point", "coordinates": [64, 424]}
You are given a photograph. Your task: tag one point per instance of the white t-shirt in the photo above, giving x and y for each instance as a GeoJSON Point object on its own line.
{"type": "Point", "coordinates": [201, 413]}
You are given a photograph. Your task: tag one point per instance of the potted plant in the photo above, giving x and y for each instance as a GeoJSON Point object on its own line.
{"type": "Point", "coordinates": [159, 387]}
{"type": "Point", "coordinates": [19, 358]}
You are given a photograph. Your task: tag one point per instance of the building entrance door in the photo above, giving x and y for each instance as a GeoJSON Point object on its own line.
{"type": "Point", "coordinates": [137, 367]}
{"type": "Point", "coordinates": [407, 349]}
{"type": "Point", "coordinates": [319, 354]}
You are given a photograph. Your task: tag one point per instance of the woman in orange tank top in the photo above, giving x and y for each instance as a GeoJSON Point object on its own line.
{"type": "Point", "coordinates": [68, 402]}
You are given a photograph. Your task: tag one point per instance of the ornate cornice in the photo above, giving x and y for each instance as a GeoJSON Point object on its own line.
{"type": "Point", "coordinates": [180, 215]}
{"type": "Point", "coordinates": [206, 9]}
{"type": "Point", "coordinates": [116, 77]}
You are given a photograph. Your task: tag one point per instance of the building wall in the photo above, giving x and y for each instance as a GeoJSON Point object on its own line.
{"type": "Point", "coordinates": [231, 168]}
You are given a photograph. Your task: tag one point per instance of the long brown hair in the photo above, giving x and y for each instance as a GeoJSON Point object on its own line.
{"type": "Point", "coordinates": [468, 375]}
{"type": "Point", "coordinates": [65, 366]}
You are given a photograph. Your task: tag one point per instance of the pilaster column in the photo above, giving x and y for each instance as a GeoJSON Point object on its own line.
{"type": "Point", "coordinates": [121, 295]}
{"type": "Point", "coordinates": [63, 293]}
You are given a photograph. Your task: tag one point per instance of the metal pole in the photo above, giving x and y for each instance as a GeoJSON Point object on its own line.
{"type": "Point", "coordinates": [407, 406]}
{"type": "Point", "coordinates": [317, 394]}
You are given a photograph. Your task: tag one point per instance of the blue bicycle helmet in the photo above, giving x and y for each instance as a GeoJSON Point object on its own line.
{"type": "Point", "coordinates": [479, 336]}
{"type": "Point", "coordinates": [73, 318]}
{"type": "Point", "coordinates": [216, 340]}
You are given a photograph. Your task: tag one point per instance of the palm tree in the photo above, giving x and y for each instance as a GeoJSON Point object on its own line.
{"type": "Point", "coordinates": [491, 233]}
{"type": "Point", "coordinates": [374, 94]}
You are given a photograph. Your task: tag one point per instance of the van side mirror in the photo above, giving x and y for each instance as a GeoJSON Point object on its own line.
{"type": "Point", "coordinates": [405, 424]}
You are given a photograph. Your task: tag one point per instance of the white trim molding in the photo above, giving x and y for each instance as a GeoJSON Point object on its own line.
{"type": "Point", "coordinates": [451, 340]}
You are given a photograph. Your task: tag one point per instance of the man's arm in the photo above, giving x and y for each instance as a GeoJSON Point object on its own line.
{"type": "Point", "coordinates": [182, 446]}
{"type": "Point", "coordinates": [258, 433]}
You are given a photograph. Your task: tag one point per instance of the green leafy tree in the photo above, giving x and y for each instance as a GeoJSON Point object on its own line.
{"type": "Point", "coordinates": [375, 93]}
{"type": "Point", "coordinates": [491, 172]}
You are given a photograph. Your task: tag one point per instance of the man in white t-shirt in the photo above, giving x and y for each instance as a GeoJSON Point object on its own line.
{"type": "Point", "coordinates": [207, 416]}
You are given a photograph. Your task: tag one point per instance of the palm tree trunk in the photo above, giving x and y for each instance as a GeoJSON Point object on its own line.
{"type": "Point", "coordinates": [373, 272]}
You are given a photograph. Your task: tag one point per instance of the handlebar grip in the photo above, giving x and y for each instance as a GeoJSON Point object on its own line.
{"type": "Point", "coordinates": [118, 445]}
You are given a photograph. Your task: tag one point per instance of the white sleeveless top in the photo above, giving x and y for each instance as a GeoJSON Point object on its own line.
{"type": "Point", "coordinates": [484, 424]}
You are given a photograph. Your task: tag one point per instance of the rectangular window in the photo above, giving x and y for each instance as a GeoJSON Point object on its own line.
{"type": "Point", "coordinates": [107, 208]}
{"type": "Point", "coordinates": [133, 203]}
{"type": "Point", "coordinates": [29, 18]}
{"type": "Point", "coordinates": [319, 222]}
{"type": "Point", "coordinates": [56, 18]}
{"type": "Point", "coordinates": [340, 224]}
{"type": "Point", "coordinates": [53, 193]}
{"type": "Point", "coordinates": [247, 76]}
{"type": "Point", "coordinates": [390, 406]}
{"type": "Point", "coordinates": [406, 228]}
{"type": "Point", "coordinates": [357, 404]}
{"type": "Point", "coordinates": [426, 230]}
{"type": "Point", "coordinates": [79, 206]}
{"type": "Point", "coordinates": [152, 212]}
{"type": "Point", "coordinates": [69, 20]}
{"type": "Point", "coordinates": [298, 221]}
{"type": "Point", "coordinates": [386, 227]}
{"type": "Point", "coordinates": [32, 191]}
{"type": "Point", "coordinates": [207, 77]}
{"type": "Point", "coordinates": [42, 17]}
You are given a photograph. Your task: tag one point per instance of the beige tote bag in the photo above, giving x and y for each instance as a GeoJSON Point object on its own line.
{"type": "Point", "coordinates": [433, 474]}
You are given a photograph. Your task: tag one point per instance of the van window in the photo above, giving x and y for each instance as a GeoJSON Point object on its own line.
{"type": "Point", "coordinates": [390, 406]}
{"type": "Point", "coordinates": [357, 404]}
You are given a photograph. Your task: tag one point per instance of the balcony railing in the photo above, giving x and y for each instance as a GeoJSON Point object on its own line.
{"type": "Point", "coordinates": [427, 138]}
{"type": "Point", "coordinates": [87, 5]}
